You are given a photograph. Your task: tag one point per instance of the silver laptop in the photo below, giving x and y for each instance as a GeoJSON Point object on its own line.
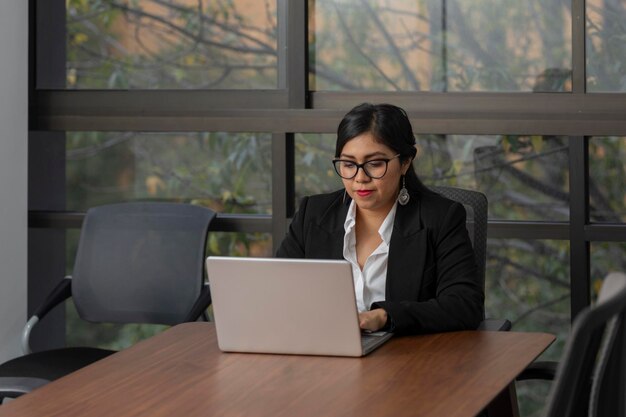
{"type": "Point", "coordinates": [292, 306]}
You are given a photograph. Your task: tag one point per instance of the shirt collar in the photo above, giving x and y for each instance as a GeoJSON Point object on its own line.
{"type": "Point", "coordinates": [348, 224]}
{"type": "Point", "coordinates": [387, 227]}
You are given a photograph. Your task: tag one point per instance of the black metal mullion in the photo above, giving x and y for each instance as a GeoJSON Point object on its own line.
{"type": "Point", "coordinates": [195, 103]}
{"type": "Point", "coordinates": [250, 223]}
{"type": "Point", "coordinates": [282, 185]}
{"type": "Point", "coordinates": [579, 219]}
{"type": "Point", "coordinates": [295, 51]}
{"type": "Point", "coordinates": [606, 232]}
{"type": "Point", "coordinates": [325, 121]}
{"type": "Point", "coordinates": [223, 222]}
{"type": "Point", "coordinates": [502, 229]}
{"type": "Point", "coordinates": [265, 111]}
{"type": "Point", "coordinates": [292, 76]}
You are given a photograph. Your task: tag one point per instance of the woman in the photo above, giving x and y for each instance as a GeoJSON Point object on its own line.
{"type": "Point", "coordinates": [413, 265]}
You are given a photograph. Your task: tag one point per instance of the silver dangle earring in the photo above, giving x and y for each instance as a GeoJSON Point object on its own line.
{"type": "Point", "coordinates": [344, 196]}
{"type": "Point", "coordinates": [403, 196]}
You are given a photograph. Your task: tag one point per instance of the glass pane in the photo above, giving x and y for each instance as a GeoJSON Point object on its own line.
{"type": "Point", "coordinates": [605, 257]}
{"type": "Point", "coordinates": [528, 282]}
{"type": "Point", "coordinates": [240, 244]}
{"type": "Point", "coordinates": [171, 44]}
{"type": "Point", "coordinates": [228, 172]}
{"type": "Point", "coordinates": [120, 336]}
{"type": "Point", "coordinates": [524, 177]}
{"type": "Point", "coordinates": [605, 46]}
{"type": "Point", "coordinates": [314, 171]}
{"type": "Point", "coordinates": [440, 45]}
{"type": "Point", "coordinates": [607, 179]}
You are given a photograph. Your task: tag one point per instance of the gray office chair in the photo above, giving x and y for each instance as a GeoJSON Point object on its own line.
{"type": "Point", "coordinates": [476, 209]}
{"type": "Point", "coordinates": [136, 263]}
{"type": "Point", "coordinates": [590, 379]}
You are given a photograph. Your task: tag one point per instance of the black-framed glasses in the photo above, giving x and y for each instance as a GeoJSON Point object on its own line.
{"type": "Point", "coordinates": [374, 168]}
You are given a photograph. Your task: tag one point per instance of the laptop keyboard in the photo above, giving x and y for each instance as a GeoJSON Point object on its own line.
{"type": "Point", "coordinates": [370, 340]}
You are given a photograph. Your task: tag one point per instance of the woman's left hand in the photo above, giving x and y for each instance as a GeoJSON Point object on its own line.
{"type": "Point", "coordinates": [373, 320]}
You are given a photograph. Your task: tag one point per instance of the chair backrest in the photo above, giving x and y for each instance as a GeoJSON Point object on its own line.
{"type": "Point", "coordinates": [591, 377]}
{"type": "Point", "coordinates": [140, 262]}
{"type": "Point", "coordinates": [476, 208]}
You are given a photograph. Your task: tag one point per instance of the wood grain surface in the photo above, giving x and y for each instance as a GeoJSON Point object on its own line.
{"type": "Point", "coordinates": [181, 372]}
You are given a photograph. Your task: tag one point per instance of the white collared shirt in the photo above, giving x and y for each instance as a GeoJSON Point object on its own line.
{"type": "Point", "coordinates": [369, 283]}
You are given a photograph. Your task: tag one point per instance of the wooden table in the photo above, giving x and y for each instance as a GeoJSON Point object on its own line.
{"type": "Point", "coordinates": [181, 372]}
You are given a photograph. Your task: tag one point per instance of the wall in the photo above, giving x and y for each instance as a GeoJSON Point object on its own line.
{"type": "Point", "coordinates": [13, 173]}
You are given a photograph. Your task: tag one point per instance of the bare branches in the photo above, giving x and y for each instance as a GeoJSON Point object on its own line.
{"type": "Point", "coordinates": [360, 50]}
{"type": "Point", "coordinates": [265, 49]}
{"type": "Point", "coordinates": [395, 51]}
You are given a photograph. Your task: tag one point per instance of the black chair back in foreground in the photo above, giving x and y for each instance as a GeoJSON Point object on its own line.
{"type": "Point", "coordinates": [591, 376]}
{"type": "Point", "coordinates": [138, 262]}
{"type": "Point", "coordinates": [476, 209]}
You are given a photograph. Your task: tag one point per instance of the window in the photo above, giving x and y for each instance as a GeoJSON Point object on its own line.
{"type": "Point", "coordinates": [606, 257]}
{"type": "Point", "coordinates": [171, 44]}
{"type": "Point", "coordinates": [607, 179]}
{"type": "Point", "coordinates": [606, 51]}
{"type": "Point", "coordinates": [233, 104]}
{"type": "Point", "coordinates": [227, 172]}
{"type": "Point", "coordinates": [447, 45]}
{"type": "Point", "coordinates": [524, 177]}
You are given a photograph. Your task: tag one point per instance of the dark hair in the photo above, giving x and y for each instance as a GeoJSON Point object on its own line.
{"type": "Point", "coordinates": [390, 126]}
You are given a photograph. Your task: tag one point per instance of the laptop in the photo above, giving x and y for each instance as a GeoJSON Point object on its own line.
{"type": "Point", "coordinates": [287, 306]}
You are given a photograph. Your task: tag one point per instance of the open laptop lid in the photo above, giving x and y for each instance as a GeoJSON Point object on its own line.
{"type": "Point", "coordinates": [293, 306]}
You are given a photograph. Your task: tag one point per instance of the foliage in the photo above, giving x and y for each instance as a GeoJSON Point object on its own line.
{"type": "Point", "coordinates": [606, 46]}
{"type": "Point", "coordinates": [171, 44]}
{"type": "Point", "coordinates": [607, 171]}
{"type": "Point", "coordinates": [435, 45]}
{"type": "Point", "coordinates": [430, 45]}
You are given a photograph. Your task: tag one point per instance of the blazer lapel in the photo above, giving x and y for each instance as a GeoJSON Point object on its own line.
{"type": "Point", "coordinates": [407, 253]}
{"type": "Point", "coordinates": [331, 244]}
{"type": "Point", "coordinates": [329, 231]}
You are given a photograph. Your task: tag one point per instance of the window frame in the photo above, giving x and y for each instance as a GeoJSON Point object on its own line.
{"type": "Point", "coordinates": [292, 108]}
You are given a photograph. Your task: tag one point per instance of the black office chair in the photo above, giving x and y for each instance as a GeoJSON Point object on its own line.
{"type": "Point", "coordinates": [136, 263]}
{"type": "Point", "coordinates": [590, 379]}
{"type": "Point", "coordinates": [476, 209]}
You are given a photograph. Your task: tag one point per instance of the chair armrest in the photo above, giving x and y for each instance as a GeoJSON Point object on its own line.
{"type": "Point", "coordinates": [60, 293]}
{"type": "Point", "coordinates": [539, 370]}
{"type": "Point", "coordinates": [11, 387]}
{"type": "Point", "coordinates": [200, 306]}
{"type": "Point", "coordinates": [496, 325]}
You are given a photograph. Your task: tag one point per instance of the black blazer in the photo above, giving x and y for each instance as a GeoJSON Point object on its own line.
{"type": "Point", "coordinates": [432, 281]}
